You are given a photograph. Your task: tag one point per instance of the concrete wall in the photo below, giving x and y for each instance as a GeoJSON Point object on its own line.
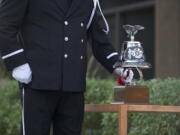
{"type": "Point", "coordinates": [167, 49]}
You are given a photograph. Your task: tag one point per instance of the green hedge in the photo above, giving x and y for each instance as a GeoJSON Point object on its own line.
{"type": "Point", "coordinates": [9, 108]}
{"type": "Point", "coordinates": [163, 92]}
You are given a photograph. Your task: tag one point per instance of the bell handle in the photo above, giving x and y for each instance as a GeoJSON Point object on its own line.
{"type": "Point", "coordinates": [140, 77]}
{"type": "Point", "coordinates": [140, 74]}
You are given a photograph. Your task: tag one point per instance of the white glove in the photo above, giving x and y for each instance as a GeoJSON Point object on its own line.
{"type": "Point", "coordinates": [120, 72]}
{"type": "Point", "coordinates": [22, 73]}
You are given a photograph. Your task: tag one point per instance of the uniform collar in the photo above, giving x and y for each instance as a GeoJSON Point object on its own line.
{"type": "Point", "coordinates": [66, 9]}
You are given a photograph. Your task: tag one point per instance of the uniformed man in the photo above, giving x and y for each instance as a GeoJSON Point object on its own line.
{"type": "Point", "coordinates": [43, 43]}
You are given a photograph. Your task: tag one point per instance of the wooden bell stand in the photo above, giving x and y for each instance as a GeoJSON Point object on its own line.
{"type": "Point", "coordinates": [135, 100]}
{"type": "Point", "coordinates": [124, 109]}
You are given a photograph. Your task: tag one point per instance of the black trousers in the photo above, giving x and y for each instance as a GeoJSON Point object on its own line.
{"type": "Point", "coordinates": [42, 109]}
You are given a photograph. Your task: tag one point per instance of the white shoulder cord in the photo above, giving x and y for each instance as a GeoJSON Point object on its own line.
{"type": "Point", "coordinates": [92, 14]}
{"type": "Point", "coordinates": [106, 23]}
{"type": "Point", "coordinates": [96, 3]}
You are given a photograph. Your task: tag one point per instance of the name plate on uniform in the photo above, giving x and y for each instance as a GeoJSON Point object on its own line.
{"type": "Point", "coordinates": [131, 95]}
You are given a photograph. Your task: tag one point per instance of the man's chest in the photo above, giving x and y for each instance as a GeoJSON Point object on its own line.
{"type": "Point", "coordinates": [67, 8]}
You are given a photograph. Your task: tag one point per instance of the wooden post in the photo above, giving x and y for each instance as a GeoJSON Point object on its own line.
{"type": "Point", "coordinates": [167, 38]}
{"type": "Point", "coordinates": [123, 120]}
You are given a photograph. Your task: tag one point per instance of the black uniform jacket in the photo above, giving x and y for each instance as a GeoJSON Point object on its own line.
{"type": "Point", "coordinates": [52, 37]}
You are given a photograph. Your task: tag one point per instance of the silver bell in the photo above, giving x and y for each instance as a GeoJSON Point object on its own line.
{"type": "Point", "coordinates": [132, 53]}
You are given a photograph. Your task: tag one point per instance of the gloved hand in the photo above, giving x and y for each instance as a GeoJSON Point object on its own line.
{"type": "Point", "coordinates": [124, 76]}
{"type": "Point", "coordinates": [22, 73]}
{"type": "Point", "coordinates": [128, 75]}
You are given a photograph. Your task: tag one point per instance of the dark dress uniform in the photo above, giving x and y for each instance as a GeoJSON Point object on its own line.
{"type": "Point", "coordinates": [52, 35]}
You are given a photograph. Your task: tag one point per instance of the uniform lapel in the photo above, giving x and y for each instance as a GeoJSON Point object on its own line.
{"type": "Point", "coordinates": [63, 5]}
{"type": "Point", "coordinates": [73, 7]}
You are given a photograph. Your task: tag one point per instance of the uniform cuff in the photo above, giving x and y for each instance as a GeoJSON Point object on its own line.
{"type": "Point", "coordinates": [15, 61]}
{"type": "Point", "coordinates": [110, 62]}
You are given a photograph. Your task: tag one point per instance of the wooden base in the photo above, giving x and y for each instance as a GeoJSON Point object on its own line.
{"type": "Point", "coordinates": [131, 94]}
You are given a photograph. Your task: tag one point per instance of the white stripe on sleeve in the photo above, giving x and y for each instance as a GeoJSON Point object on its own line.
{"type": "Point", "coordinates": [111, 55]}
{"type": "Point", "coordinates": [12, 54]}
